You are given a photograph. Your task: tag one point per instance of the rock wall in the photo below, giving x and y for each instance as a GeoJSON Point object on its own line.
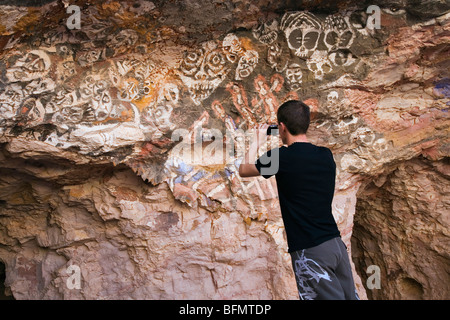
{"type": "Point", "coordinates": [402, 227]}
{"type": "Point", "coordinates": [121, 138]}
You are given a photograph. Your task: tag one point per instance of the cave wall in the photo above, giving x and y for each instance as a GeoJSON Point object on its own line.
{"type": "Point", "coordinates": [402, 227]}
{"type": "Point", "coordinates": [94, 173]}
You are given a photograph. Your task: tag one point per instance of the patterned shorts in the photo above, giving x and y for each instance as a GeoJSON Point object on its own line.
{"type": "Point", "coordinates": [324, 272]}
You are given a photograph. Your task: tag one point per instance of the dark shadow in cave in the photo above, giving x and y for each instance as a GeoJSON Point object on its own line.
{"type": "Point", "coordinates": [3, 295]}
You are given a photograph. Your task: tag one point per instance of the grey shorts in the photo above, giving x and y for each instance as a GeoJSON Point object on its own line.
{"type": "Point", "coordinates": [324, 272]}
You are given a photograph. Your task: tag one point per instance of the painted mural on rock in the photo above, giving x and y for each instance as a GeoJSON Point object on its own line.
{"type": "Point", "coordinates": [104, 87]}
{"type": "Point", "coordinates": [127, 88]}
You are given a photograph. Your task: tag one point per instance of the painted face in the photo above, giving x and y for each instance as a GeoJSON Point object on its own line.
{"type": "Point", "coordinates": [232, 47]}
{"type": "Point", "coordinates": [319, 64]}
{"type": "Point", "coordinates": [332, 98]}
{"type": "Point", "coordinates": [202, 70]}
{"type": "Point", "coordinates": [102, 104]}
{"type": "Point", "coordinates": [31, 111]}
{"type": "Point", "coordinates": [247, 64]}
{"type": "Point", "coordinates": [302, 31]}
{"type": "Point", "coordinates": [338, 34]}
{"type": "Point", "coordinates": [162, 116]}
{"type": "Point", "coordinates": [266, 32]}
{"type": "Point", "coordinates": [294, 76]}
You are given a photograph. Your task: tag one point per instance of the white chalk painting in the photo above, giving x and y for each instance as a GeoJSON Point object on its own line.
{"type": "Point", "coordinates": [102, 89]}
{"type": "Point", "coordinates": [74, 81]}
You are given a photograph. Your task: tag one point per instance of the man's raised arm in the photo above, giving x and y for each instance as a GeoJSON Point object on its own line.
{"type": "Point", "coordinates": [248, 167]}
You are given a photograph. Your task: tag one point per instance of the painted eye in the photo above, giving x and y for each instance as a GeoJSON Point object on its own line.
{"type": "Point", "coordinates": [331, 38]}
{"type": "Point", "coordinates": [346, 39]}
{"type": "Point", "coordinates": [191, 57]}
{"type": "Point", "coordinates": [106, 99]}
{"type": "Point", "coordinates": [216, 61]}
{"type": "Point", "coordinates": [191, 62]}
{"type": "Point", "coordinates": [296, 38]}
{"type": "Point", "coordinates": [311, 39]}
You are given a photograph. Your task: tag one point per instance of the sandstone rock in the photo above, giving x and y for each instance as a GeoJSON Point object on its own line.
{"type": "Point", "coordinates": [120, 144]}
{"type": "Point", "coordinates": [401, 227]}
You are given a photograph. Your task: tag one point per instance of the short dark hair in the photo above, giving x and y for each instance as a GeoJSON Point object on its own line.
{"type": "Point", "coordinates": [295, 115]}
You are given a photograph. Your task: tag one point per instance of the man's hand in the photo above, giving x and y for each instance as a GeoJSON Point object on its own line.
{"type": "Point", "coordinates": [247, 167]}
{"type": "Point", "coordinates": [261, 134]}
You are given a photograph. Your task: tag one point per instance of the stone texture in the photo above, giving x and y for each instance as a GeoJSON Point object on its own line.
{"type": "Point", "coordinates": [120, 143]}
{"type": "Point", "coordinates": [402, 227]}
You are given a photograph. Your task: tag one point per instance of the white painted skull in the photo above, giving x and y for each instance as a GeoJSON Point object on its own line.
{"type": "Point", "coordinates": [302, 31]}
{"type": "Point", "coordinates": [332, 98]}
{"type": "Point", "coordinates": [202, 70]}
{"type": "Point", "coordinates": [338, 34]}
{"type": "Point", "coordinates": [247, 64]}
{"type": "Point", "coordinates": [363, 136]}
{"type": "Point", "coordinates": [266, 32]}
{"type": "Point", "coordinates": [89, 57]}
{"type": "Point", "coordinates": [39, 86]}
{"type": "Point", "coordinates": [294, 75]}
{"type": "Point", "coordinates": [31, 112]}
{"type": "Point", "coordinates": [169, 94]}
{"type": "Point", "coordinates": [319, 64]}
{"type": "Point", "coordinates": [345, 126]}
{"type": "Point", "coordinates": [232, 47]}
{"type": "Point", "coordinates": [161, 118]}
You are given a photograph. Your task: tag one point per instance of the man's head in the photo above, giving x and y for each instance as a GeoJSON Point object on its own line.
{"type": "Point", "coordinates": [293, 116]}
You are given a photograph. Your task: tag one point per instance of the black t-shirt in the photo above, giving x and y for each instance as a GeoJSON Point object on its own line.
{"type": "Point", "coordinates": [305, 181]}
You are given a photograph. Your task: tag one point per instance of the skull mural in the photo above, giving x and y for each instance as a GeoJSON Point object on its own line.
{"type": "Point", "coordinates": [274, 57]}
{"type": "Point", "coordinates": [338, 34]}
{"type": "Point", "coordinates": [294, 75]}
{"type": "Point", "coordinates": [319, 64]}
{"type": "Point", "coordinates": [202, 70]}
{"type": "Point", "coordinates": [302, 31]}
{"type": "Point", "coordinates": [266, 33]}
{"type": "Point", "coordinates": [247, 64]}
{"type": "Point", "coordinates": [34, 65]}
{"type": "Point", "coordinates": [102, 105]}
{"type": "Point", "coordinates": [40, 86]}
{"type": "Point", "coordinates": [232, 47]}
{"type": "Point", "coordinates": [332, 98]}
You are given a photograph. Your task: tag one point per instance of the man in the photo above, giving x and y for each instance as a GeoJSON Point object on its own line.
{"type": "Point", "coordinates": [305, 180]}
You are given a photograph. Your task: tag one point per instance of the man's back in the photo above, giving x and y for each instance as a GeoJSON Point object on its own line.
{"type": "Point", "coordinates": [306, 181]}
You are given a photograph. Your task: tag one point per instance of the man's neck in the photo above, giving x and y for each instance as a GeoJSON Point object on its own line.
{"type": "Point", "coordinates": [299, 138]}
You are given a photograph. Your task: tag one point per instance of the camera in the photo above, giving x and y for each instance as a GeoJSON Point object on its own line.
{"type": "Point", "coordinates": [271, 129]}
